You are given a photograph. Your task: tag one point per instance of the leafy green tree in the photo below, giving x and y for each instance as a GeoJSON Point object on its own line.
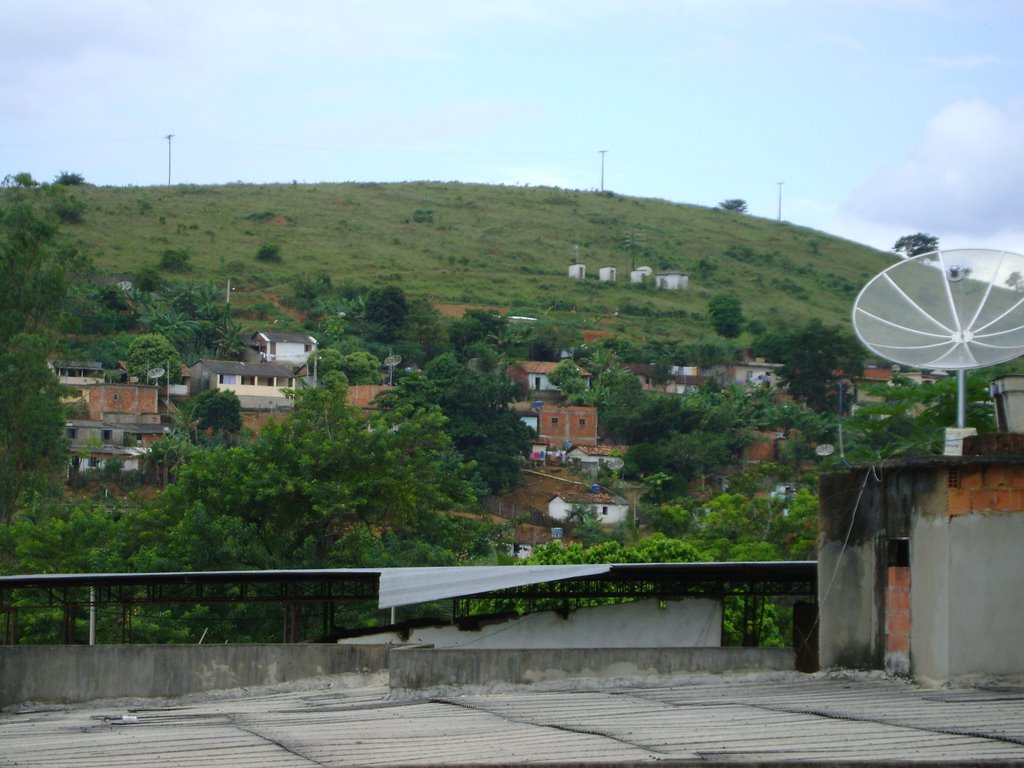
{"type": "Point", "coordinates": [916, 244]}
{"type": "Point", "coordinates": [36, 270]}
{"type": "Point", "coordinates": [734, 204]}
{"type": "Point", "coordinates": [570, 382]}
{"type": "Point", "coordinates": [69, 179]}
{"type": "Point", "coordinates": [815, 358]}
{"type": "Point", "coordinates": [385, 313]}
{"type": "Point", "coordinates": [361, 368]}
{"type": "Point", "coordinates": [726, 315]}
{"type": "Point", "coordinates": [152, 350]}
{"type": "Point", "coordinates": [216, 412]}
{"type": "Point", "coordinates": [480, 422]}
{"type": "Point", "coordinates": [910, 418]}
{"type": "Point", "coordinates": [297, 494]}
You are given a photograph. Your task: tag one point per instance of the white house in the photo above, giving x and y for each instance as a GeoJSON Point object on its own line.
{"type": "Point", "coordinates": [592, 457]}
{"type": "Point", "coordinates": [257, 385]}
{"type": "Point", "coordinates": [274, 347]}
{"type": "Point", "coordinates": [672, 280]}
{"type": "Point", "coordinates": [609, 507]}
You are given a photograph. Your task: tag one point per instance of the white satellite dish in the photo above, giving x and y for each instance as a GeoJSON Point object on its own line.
{"type": "Point", "coordinates": [391, 361]}
{"type": "Point", "coordinates": [614, 462]}
{"type": "Point", "coordinates": [825, 449]}
{"type": "Point", "coordinates": [154, 373]}
{"type": "Point", "coordinates": [954, 310]}
{"type": "Point", "coordinates": [957, 309]}
{"type": "Point", "coordinates": [646, 271]}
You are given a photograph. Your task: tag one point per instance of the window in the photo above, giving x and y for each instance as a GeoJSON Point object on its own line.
{"type": "Point", "coordinates": [554, 421]}
{"type": "Point", "coordinates": [107, 435]}
{"type": "Point", "coordinates": [71, 433]}
{"type": "Point", "coordinates": [536, 382]}
{"type": "Point", "coordinates": [604, 511]}
{"type": "Point", "coordinates": [583, 422]}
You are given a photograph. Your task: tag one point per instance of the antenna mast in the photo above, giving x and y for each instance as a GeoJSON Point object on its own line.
{"type": "Point", "coordinates": [169, 136]}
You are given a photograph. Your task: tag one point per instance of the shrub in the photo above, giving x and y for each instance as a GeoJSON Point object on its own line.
{"type": "Point", "coordinates": [269, 252]}
{"type": "Point", "coordinates": [175, 260]}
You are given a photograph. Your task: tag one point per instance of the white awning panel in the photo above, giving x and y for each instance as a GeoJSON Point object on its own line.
{"type": "Point", "coordinates": [410, 586]}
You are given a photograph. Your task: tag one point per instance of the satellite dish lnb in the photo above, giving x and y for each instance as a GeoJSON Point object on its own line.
{"type": "Point", "coordinates": [958, 309]}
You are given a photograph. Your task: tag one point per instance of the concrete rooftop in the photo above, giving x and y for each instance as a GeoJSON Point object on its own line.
{"type": "Point", "coordinates": [778, 719]}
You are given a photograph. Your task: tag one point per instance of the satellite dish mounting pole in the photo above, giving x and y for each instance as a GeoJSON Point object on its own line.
{"type": "Point", "coordinates": [961, 398]}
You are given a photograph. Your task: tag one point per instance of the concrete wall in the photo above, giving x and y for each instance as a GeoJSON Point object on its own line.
{"type": "Point", "coordinates": [960, 521]}
{"type": "Point", "coordinates": [68, 673]}
{"type": "Point", "coordinates": [414, 668]}
{"type": "Point", "coordinates": [643, 624]}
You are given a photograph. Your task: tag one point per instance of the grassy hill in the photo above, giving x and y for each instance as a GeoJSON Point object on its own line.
{"type": "Point", "coordinates": [506, 247]}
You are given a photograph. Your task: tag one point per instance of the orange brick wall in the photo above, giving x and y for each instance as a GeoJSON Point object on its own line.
{"type": "Point", "coordinates": [125, 399]}
{"type": "Point", "coordinates": [996, 488]}
{"type": "Point", "coordinates": [897, 613]}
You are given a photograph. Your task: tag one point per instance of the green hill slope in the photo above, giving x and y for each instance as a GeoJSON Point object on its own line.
{"type": "Point", "coordinates": [507, 247]}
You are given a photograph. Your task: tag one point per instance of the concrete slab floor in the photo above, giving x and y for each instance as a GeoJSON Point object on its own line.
{"type": "Point", "coordinates": [767, 720]}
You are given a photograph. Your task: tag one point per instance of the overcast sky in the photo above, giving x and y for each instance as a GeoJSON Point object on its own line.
{"type": "Point", "coordinates": [879, 117]}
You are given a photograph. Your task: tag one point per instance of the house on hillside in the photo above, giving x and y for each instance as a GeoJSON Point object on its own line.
{"type": "Point", "coordinates": [77, 374]}
{"type": "Point", "coordinates": [609, 507]}
{"type": "Point", "coordinates": [283, 348]}
{"type": "Point", "coordinates": [592, 457]}
{"type": "Point", "coordinates": [562, 426]}
{"type": "Point", "coordinates": [259, 386]}
{"type": "Point", "coordinates": [751, 372]}
{"type": "Point", "coordinates": [533, 374]}
{"type": "Point", "coordinates": [672, 280]}
{"type": "Point", "coordinates": [678, 380]}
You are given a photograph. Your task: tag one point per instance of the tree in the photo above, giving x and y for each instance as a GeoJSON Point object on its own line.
{"type": "Point", "coordinates": [914, 245]}
{"type": "Point", "coordinates": [570, 382]}
{"type": "Point", "coordinates": [152, 350]}
{"type": "Point", "coordinates": [476, 405]}
{"type": "Point", "coordinates": [69, 179]}
{"type": "Point", "coordinates": [216, 412]}
{"type": "Point", "coordinates": [726, 315]}
{"type": "Point", "coordinates": [385, 313]}
{"type": "Point", "coordinates": [815, 358]}
{"type": "Point", "coordinates": [734, 204]}
{"type": "Point", "coordinates": [317, 490]}
{"type": "Point", "coordinates": [36, 271]}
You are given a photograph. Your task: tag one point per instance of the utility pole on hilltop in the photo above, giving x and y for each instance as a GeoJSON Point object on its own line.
{"type": "Point", "coordinates": [780, 183]}
{"type": "Point", "coordinates": [603, 152]}
{"type": "Point", "coordinates": [169, 136]}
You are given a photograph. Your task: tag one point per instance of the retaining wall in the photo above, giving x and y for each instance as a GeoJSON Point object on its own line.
{"type": "Point", "coordinates": [69, 673]}
{"type": "Point", "coordinates": [412, 668]}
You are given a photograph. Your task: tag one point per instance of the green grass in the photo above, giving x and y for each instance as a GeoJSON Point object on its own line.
{"type": "Point", "coordinates": [508, 247]}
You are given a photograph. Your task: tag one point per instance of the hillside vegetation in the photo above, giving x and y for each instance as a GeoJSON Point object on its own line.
{"type": "Point", "coordinates": [503, 247]}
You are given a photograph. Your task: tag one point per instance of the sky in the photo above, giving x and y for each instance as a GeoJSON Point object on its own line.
{"type": "Point", "coordinates": [866, 119]}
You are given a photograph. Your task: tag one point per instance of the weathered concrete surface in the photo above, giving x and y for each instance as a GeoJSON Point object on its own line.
{"type": "Point", "coordinates": [637, 624]}
{"type": "Point", "coordinates": [68, 673]}
{"type": "Point", "coordinates": [417, 668]}
{"type": "Point", "coordinates": [725, 720]}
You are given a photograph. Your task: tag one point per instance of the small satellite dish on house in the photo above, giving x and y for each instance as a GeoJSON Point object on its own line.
{"type": "Point", "coordinates": [825, 449]}
{"type": "Point", "coordinates": [155, 373]}
{"type": "Point", "coordinates": [956, 310]}
{"type": "Point", "coordinates": [614, 462]}
{"type": "Point", "coordinates": [391, 361]}
{"type": "Point", "coordinates": [647, 271]}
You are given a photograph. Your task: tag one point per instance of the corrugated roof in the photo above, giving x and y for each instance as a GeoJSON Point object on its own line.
{"type": "Point", "coordinates": [410, 586]}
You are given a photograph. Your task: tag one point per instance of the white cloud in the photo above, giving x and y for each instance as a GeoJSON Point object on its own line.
{"type": "Point", "coordinates": [964, 180]}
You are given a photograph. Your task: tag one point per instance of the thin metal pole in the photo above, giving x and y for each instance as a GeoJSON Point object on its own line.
{"type": "Point", "coordinates": [780, 183]}
{"type": "Point", "coordinates": [961, 398]}
{"type": "Point", "coordinates": [602, 151]}
{"type": "Point", "coordinates": [92, 615]}
{"type": "Point", "coordinates": [169, 137]}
